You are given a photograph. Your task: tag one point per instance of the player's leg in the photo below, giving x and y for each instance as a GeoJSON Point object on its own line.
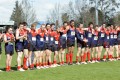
{"type": "Point", "coordinates": [78, 55]}
{"type": "Point", "coordinates": [100, 48]}
{"type": "Point", "coordinates": [19, 58]}
{"type": "Point", "coordinates": [25, 51]}
{"type": "Point", "coordinates": [93, 54]}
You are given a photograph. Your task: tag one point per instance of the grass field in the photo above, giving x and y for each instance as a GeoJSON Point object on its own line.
{"type": "Point", "coordinates": [97, 71]}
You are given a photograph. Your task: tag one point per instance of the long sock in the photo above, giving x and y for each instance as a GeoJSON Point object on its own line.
{"type": "Point", "coordinates": [67, 58]}
{"type": "Point", "coordinates": [71, 57]}
{"type": "Point", "coordinates": [40, 64]}
{"type": "Point", "coordinates": [84, 57]}
{"type": "Point", "coordinates": [108, 56]}
{"type": "Point", "coordinates": [88, 55]}
{"type": "Point", "coordinates": [37, 64]}
{"type": "Point", "coordinates": [24, 61]}
{"type": "Point", "coordinates": [55, 62]}
{"type": "Point", "coordinates": [104, 57]}
{"type": "Point", "coordinates": [7, 68]}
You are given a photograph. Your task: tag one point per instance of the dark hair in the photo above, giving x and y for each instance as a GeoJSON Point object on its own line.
{"type": "Point", "coordinates": [7, 28]}
{"type": "Point", "coordinates": [52, 24]}
{"type": "Point", "coordinates": [47, 24]}
{"type": "Point", "coordinates": [72, 21]}
{"type": "Point", "coordinates": [20, 23]}
{"type": "Point", "coordinates": [25, 23]}
{"type": "Point", "coordinates": [90, 23]}
{"type": "Point", "coordinates": [65, 22]}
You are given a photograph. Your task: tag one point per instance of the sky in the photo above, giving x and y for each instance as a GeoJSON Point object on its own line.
{"type": "Point", "coordinates": [42, 8]}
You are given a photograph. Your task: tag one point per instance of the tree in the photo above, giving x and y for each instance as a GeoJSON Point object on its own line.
{"type": "Point", "coordinates": [17, 14]}
{"type": "Point", "coordinates": [65, 17]}
{"type": "Point", "coordinates": [23, 12]}
{"type": "Point", "coordinates": [108, 8]}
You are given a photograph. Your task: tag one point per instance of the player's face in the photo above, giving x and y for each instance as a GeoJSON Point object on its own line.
{"type": "Point", "coordinates": [96, 28]}
{"type": "Point", "coordinates": [65, 24]}
{"type": "Point", "coordinates": [104, 25]}
{"type": "Point", "coordinates": [111, 27]}
{"type": "Point", "coordinates": [25, 26]}
{"type": "Point", "coordinates": [43, 27]}
{"type": "Point", "coordinates": [72, 23]}
{"type": "Point", "coordinates": [48, 26]}
{"type": "Point", "coordinates": [21, 26]}
{"type": "Point", "coordinates": [81, 26]}
{"type": "Point", "coordinates": [91, 25]}
{"type": "Point", "coordinates": [10, 30]}
{"type": "Point", "coordinates": [33, 27]}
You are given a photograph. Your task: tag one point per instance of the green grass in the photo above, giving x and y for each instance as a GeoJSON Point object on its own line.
{"type": "Point", "coordinates": [97, 71]}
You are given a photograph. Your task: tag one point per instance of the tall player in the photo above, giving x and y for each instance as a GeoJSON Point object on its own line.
{"type": "Point", "coordinates": [19, 45]}
{"type": "Point", "coordinates": [70, 41]}
{"type": "Point", "coordinates": [63, 42]}
{"type": "Point", "coordinates": [9, 48]}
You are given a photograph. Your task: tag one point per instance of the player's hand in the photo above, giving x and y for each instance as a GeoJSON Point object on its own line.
{"type": "Point", "coordinates": [85, 40]}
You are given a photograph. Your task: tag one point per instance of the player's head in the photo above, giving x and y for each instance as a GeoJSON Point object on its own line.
{"type": "Point", "coordinates": [81, 25]}
{"type": "Point", "coordinates": [53, 26]}
{"type": "Point", "coordinates": [90, 24]}
{"type": "Point", "coordinates": [43, 26]}
{"type": "Point", "coordinates": [111, 26]}
{"type": "Point", "coordinates": [72, 22]}
{"type": "Point", "coordinates": [9, 29]}
{"type": "Point", "coordinates": [48, 26]}
{"type": "Point", "coordinates": [21, 26]}
{"type": "Point", "coordinates": [104, 25]}
{"type": "Point", "coordinates": [33, 26]}
{"type": "Point", "coordinates": [65, 24]}
{"type": "Point", "coordinates": [96, 27]}
{"type": "Point", "coordinates": [25, 24]}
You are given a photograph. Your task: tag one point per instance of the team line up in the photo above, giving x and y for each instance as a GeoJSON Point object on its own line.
{"type": "Point", "coordinates": [46, 40]}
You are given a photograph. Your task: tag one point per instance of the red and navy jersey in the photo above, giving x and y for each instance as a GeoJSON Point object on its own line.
{"type": "Point", "coordinates": [115, 36]}
{"type": "Point", "coordinates": [32, 36]}
{"type": "Point", "coordinates": [21, 33]}
{"type": "Point", "coordinates": [80, 35]}
{"type": "Point", "coordinates": [101, 34]}
{"type": "Point", "coordinates": [107, 36]}
{"type": "Point", "coordinates": [118, 34]}
{"type": "Point", "coordinates": [47, 36]}
{"type": "Point", "coordinates": [89, 34]}
{"type": "Point", "coordinates": [111, 36]}
{"type": "Point", "coordinates": [57, 37]}
{"type": "Point", "coordinates": [51, 37]}
{"type": "Point", "coordinates": [71, 34]}
{"type": "Point", "coordinates": [9, 37]}
{"type": "Point", "coordinates": [95, 37]}
{"type": "Point", "coordinates": [40, 38]}
{"type": "Point", "coordinates": [63, 33]}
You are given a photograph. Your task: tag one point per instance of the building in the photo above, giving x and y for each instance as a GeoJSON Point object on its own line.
{"type": "Point", "coordinates": [3, 25]}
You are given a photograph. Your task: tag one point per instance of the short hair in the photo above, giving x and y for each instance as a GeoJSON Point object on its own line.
{"type": "Point", "coordinates": [52, 24]}
{"type": "Point", "coordinates": [72, 21]}
{"type": "Point", "coordinates": [65, 22]}
{"type": "Point", "coordinates": [34, 24]}
{"type": "Point", "coordinates": [90, 23]}
{"type": "Point", "coordinates": [20, 23]}
{"type": "Point", "coordinates": [47, 24]}
{"type": "Point", "coordinates": [25, 23]}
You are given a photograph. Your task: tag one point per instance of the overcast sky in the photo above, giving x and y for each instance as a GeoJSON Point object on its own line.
{"type": "Point", "coordinates": [42, 8]}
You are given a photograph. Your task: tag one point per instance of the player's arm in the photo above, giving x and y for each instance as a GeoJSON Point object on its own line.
{"type": "Point", "coordinates": [5, 39]}
{"type": "Point", "coordinates": [17, 35]}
